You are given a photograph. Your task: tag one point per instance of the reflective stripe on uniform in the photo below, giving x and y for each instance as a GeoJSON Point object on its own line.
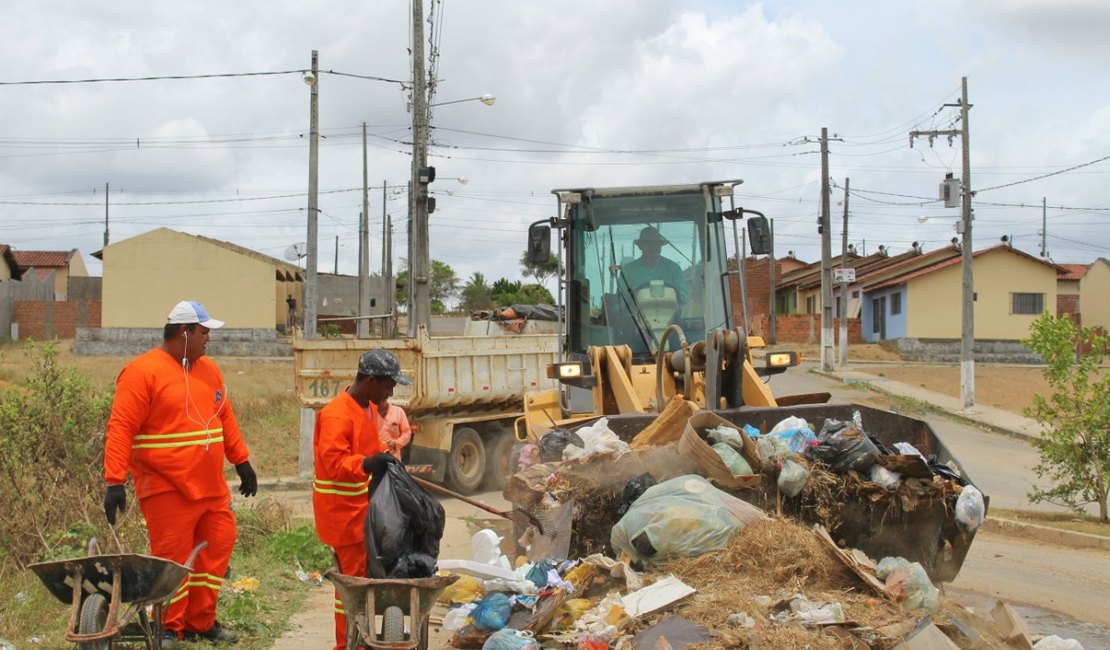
{"type": "Point", "coordinates": [340, 488]}
{"type": "Point", "coordinates": [202, 437]}
{"type": "Point", "coordinates": [205, 580]}
{"type": "Point", "coordinates": [339, 607]}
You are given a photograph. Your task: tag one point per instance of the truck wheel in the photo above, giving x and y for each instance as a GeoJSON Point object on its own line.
{"type": "Point", "coordinates": [500, 459]}
{"type": "Point", "coordinates": [466, 464]}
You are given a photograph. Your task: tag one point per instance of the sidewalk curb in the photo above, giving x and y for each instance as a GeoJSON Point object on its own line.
{"type": "Point", "coordinates": [1011, 528]}
{"type": "Point", "coordinates": [287, 484]}
{"type": "Point", "coordinates": [934, 408]}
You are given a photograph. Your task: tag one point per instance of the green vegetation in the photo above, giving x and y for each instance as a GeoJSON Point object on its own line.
{"type": "Point", "coordinates": [1075, 448]}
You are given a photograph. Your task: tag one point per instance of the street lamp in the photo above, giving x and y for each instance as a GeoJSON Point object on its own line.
{"type": "Point", "coordinates": [486, 99]}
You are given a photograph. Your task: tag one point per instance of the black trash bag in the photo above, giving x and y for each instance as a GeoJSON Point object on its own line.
{"type": "Point", "coordinates": [403, 528]}
{"type": "Point", "coordinates": [555, 441]}
{"type": "Point", "coordinates": [843, 446]}
{"type": "Point", "coordinates": [633, 490]}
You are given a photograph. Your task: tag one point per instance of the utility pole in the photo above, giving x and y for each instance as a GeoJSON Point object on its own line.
{"type": "Point", "coordinates": [1043, 225]}
{"type": "Point", "coordinates": [313, 174]}
{"type": "Point", "coordinates": [420, 302]}
{"type": "Point", "coordinates": [335, 269]}
{"type": "Point", "coordinates": [967, 339]}
{"type": "Point", "coordinates": [362, 328]}
{"type": "Point", "coordinates": [106, 216]}
{"type": "Point", "coordinates": [771, 326]}
{"type": "Point", "coordinates": [826, 260]}
{"type": "Point", "coordinates": [844, 283]}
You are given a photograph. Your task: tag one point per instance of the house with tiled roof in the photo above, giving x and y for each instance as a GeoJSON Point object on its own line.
{"type": "Point", "coordinates": [1094, 294]}
{"type": "Point", "coordinates": [923, 299]}
{"type": "Point", "coordinates": [145, 275]}
{"type": "Point", "coordinates": [59, 265]}
{"type": "Point", "coordinates": [1067, 289]}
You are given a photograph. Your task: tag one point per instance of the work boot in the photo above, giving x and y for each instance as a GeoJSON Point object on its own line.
{"type": "Point", "coordinates": [170, 640]}
{"type": "Point", "coordinates": [216, 633]}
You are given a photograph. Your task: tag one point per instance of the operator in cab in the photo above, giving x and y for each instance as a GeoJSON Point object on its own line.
{"type": "Point", "coordinates": [652, 266]}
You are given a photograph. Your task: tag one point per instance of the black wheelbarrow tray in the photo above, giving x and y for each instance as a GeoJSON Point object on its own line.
{"type": "Point", "coordinates": [106, 592]}
{"type": "Point", "coordinates": [394, 600]}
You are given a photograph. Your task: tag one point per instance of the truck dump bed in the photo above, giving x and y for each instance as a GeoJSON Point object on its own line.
{"type": "Point", "coordinates": [450, 374]}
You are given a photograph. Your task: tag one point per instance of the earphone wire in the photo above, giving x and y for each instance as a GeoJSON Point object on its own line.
{"type": "Point", "coordinates": [189, 398]}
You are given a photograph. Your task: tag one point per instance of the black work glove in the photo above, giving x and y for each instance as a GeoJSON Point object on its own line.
{"type": "Point", "coordinates": [248, 485]}
{"type": "Point", "coordinates": [115, 498]}
{"type": "Point", "coordinates": [376, 464]}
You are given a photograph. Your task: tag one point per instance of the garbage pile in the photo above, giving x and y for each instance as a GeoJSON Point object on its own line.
{"type": "Point", "coordinates": [697, 531]}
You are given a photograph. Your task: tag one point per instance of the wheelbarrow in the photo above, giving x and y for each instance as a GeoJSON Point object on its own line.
{"type": "Point", "coordinates": [109, 595]}
{"type": "Point", "coordinates": [396, 601]}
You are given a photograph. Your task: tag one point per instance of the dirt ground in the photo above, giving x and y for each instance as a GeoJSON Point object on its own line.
{"type": "Point", "coordinates": [1010, 388]}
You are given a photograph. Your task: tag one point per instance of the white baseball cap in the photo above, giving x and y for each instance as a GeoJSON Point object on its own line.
{"type": "Point", "coordinates": [187, 311]}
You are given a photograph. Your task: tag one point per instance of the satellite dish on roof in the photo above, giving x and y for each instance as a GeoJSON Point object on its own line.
{"type": "Point", "coordinates": [295, 252]}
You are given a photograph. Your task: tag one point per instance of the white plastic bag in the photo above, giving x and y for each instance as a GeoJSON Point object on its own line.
{"type": "Point", "coordinates": [908, 583]}
{"type": "Point", "coordinates": [1056, 643]}
{"type": "Point", "coordinates": [792, 478]}
{"type": "Point", "coordinates": [736, 463]}
{"type": "Point", "coordinates": [598, 440]}
{"type": "Point", "coordinates": [970, 509]}
{"type": "Point", "coordinates": [727, 435]}
{"type": "Point", "coordinates": [789, 423]}
{"type": "Point", "coordinates": [885, 478]}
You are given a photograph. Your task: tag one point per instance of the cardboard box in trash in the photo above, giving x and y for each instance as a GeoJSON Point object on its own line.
{"type": "Point", "coordinates": [693, 443]}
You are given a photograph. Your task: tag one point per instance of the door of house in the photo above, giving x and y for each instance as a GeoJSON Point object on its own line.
{"type": "Point", "coordinates": [878, 317]}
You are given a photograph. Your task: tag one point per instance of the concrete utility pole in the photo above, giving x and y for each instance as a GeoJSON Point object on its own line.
{"type": "Point", "coordinates": [387, 258]}
{"type": "Point", "coordinates": [844, 284]}
{"type": "Point", "coordinates": [771, 326]}
{"type": "Point", "coordinates": [826, 260]}
{"type": "Point", "coordinates": [106, 216]}
{"type": "Point", "coordinates": [362, 329]}
{"type": "Point", "coordinates": [311, 260]}
{"type": "Point", "coordinates": [420, 302]}
{"type": "Point", "coordinates": [1044, 225]}
{"type": "Point", "coordinates": [967, 340]}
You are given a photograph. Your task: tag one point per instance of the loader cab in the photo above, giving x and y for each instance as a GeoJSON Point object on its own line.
{"type": "Point", "coordinates": [640, 259]}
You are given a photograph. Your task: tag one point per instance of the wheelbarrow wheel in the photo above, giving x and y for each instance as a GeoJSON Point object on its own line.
{"type": "Point", "coordinates": [393, 625]}
{"type": "Point", "coordinates": [94, 615]}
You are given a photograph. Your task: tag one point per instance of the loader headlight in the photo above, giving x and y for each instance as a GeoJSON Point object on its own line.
{"type": "Point", "coordinates": [570, 370]}
{"type": "Point", "coordinates": [783, 359]}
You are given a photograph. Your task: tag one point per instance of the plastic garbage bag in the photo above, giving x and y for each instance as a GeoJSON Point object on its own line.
{"type": "Point", "coordinates": [554, 442]}
{"type": "Point", "coordinates": [510, 639]}
{"type": "Point", "coordinates": [792, 478]}
{"type": "Point", "coordinates": [1054, 642]}
{"type": "Point", "coordinates": [885, 478]}
{"type": "Point", "coordinates": [844, 446]}
{"type": "Point", "coordinates": [970, 509]}
{"type": "Point", "coordinates": [633, 490]}
{"type": "Point", "coordinates": [597, 440]}
{"type": "Point", "coordinates": [492, 612]}
{"type": "Point", "coordinates": [792, 422]}
{"type": "Point", "coordinates": [685, 516]}
{"type": "Point", "coordinates": [732, 458]}
{"type": "Point", "coordinates": [403, 520]}
{"type": "Point", "coordinates": [726, 435]}
{"type": "Point", "coordinates": [537, 573]}
{"type": "Point", "coordinates": [797, 439]}
{"type": "Point", "coordinates": [464, 590]}
{"type": "Point", "coordinates": [907, 582]}
{"type": "Point", "coordinates": [456, 617]}
{"type": "Point", "coordinates": [770, 447]}
{"type": "Point", "coordinates": [906, 449]}
{"type": "Point", "coordinates": [751, 431]}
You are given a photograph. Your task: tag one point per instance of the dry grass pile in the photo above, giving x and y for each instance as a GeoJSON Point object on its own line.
{"type": "Point", "coordinates": [777, 559]}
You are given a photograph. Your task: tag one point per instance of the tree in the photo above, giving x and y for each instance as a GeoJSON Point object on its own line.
{"type": "Point", "coordinates": [507, 292]}
{"type": "Point", "coordinates": [476, 294]}
{"type": "Point", "coordinates": [444, 285]}
{"type": "Point", "coordinates": [1075, 446]}
{"type": "Point", "coordinates": [541, 271]}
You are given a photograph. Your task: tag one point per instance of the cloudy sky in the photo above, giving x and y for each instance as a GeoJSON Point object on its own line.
{"type": "Point", "coordinates": [589, 93]}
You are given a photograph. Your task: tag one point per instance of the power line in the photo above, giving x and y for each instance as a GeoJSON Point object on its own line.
{"type": "Point", "coordinates": [1037, 178]}
{"type": "Point", "coordinates": [217, 75]}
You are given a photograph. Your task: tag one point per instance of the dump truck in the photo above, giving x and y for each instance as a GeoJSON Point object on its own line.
{"type": "Point", "coordinates": [466, 394]}
{"type": "Point", "coordinates": [645, 284]}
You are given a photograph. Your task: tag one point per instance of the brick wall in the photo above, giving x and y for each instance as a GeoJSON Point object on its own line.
{"type": "Point", "coordinates": [43, 320]}
{"type": "Point", "coordinates": [757, 280]}
{"type": "Point", "coordinates": [802, 328]}
{"type": "Point", "coordinates": [1068, 304]}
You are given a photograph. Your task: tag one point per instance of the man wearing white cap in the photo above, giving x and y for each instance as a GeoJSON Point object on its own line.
{"type": "Point", "coordinates": [172, 426]}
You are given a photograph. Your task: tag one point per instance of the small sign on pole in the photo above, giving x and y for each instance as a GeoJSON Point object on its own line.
{"type": "Point", "coordinates": [844, 276]}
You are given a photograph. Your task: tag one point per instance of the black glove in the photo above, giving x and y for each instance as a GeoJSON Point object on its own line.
{"type": "Point", "coordinates": [248, 485]}
{"type": "Point", "coordinates": [115, 498]}
{"type": "Point", "coordinates": [376, 464]}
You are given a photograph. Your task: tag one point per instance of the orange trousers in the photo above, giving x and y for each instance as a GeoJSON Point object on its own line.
{"type": "Point", "coordinates": [352, 561]}
{"type": "Point", "coordinates": [176, 526]}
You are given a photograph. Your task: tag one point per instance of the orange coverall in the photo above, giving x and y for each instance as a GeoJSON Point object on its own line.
{"type": "Point", "coordinates": [173, 429]}
{"type": "Point", "coordinates": [344, 435]}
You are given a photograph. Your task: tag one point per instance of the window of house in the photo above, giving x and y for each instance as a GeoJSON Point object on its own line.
{"type": "Point", "coordinates": [811, 305]}
{"type": "Point", "coordinates": [1026, 303]}
{"type": "Point", "coordinates": [855, 294]}
{"type": "Point", "coordinates": [895, 304]}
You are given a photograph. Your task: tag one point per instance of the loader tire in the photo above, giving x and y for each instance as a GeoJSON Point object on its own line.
{"type": "Point", "coordinates": [466, 464]}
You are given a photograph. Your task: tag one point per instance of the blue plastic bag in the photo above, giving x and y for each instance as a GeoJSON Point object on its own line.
{"type": "Point", "coordinates": [509, 639]}
{"type": "Point", "coordinates": [492, 612]}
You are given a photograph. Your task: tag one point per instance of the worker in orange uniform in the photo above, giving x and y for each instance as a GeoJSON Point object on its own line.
{"type": "Point", "coordinates": [346, 446]}
{"type": "Point", "coordinates": [172, 426]}
{"type": "Point", "coordinates": [393, 426]}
